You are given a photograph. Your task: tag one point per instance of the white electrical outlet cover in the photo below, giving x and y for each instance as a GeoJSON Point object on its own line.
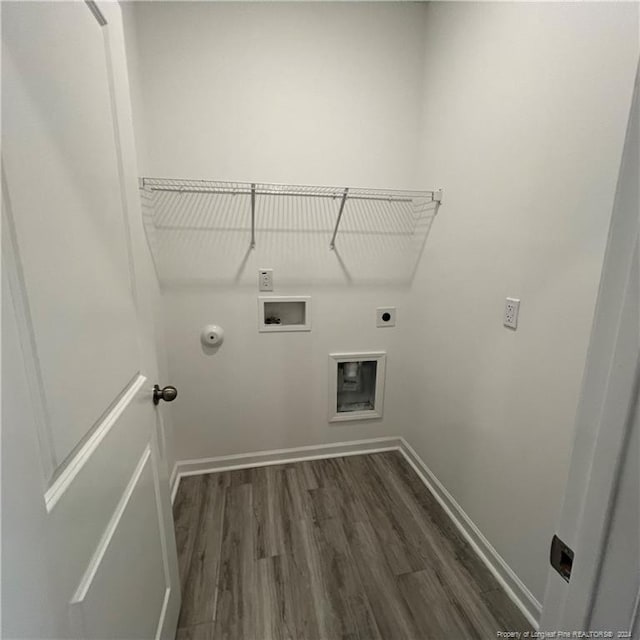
{"type": "Point", "coordinates": [386, 317]}
{"type": "Point", "coordinates": [511, 310]}
{"type": "Point", "coordinates": [265, 279]}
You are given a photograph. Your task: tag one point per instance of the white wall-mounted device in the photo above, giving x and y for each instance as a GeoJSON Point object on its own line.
{"type": "Point", "coordinates": [356, 385]}
{"type": "Point", "coordinates": [386, 317]}
{"type": "Point", "coordinates": [212, 335]}
{"type": "Point", "coordinates": [265, 279]}
{"type": "Point", "coordinates": [511, 310]}
{"type": "Point", "coordinates": [284, 313]}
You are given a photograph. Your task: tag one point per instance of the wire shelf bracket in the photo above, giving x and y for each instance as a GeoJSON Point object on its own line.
{"type": "Point", "coordinates": [332, 244]}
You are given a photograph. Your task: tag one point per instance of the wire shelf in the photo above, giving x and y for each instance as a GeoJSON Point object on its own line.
{"type": "Point", "coordinates": [383, 202]}
{"type": "Point", "coordinates": [213, 233]}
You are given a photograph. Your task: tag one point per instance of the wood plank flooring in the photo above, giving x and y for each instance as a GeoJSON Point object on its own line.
{"type": "Point", "coordinates": [353, 548]}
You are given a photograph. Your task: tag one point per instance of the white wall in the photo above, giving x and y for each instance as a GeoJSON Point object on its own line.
{"type": "Point", "coordinates": [517, 110]}
{"type": "Point", "coordinates": [525, 110]}
{"type": "Point", "coordinates": [312, 93]}
{"type": "Point", "coordinates": [299, 93]}
{"type": "Point", "coordinates": [268, 391]}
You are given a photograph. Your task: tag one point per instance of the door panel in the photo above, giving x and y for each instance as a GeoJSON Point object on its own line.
{"type": "Point", "coordinates": [126, 549]}
{"type": "Point", "coordinates": [60, 160]}
{"type": "Point", "coordinates": [88, 544]}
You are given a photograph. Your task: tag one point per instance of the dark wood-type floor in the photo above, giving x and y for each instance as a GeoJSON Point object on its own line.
{"type": "Point", "coordinates": [352, 547]}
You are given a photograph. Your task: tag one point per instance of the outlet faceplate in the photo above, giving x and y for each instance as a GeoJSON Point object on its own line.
{"type": "Point", "coordinates": [511, 310]}
{"type": "Point", "coordinates": [265, 279]}
{"type": "Point", "coordinates": [386, 317]}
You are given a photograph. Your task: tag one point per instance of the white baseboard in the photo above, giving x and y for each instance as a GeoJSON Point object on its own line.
{"type": "Point", "coordinates": [184, 468]}
{"type": "Point", "coordinates": [513, 586]}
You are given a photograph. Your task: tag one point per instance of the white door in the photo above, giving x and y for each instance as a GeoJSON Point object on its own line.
{"type": "Point", "coordinates": [600, 518]}
{"type": "Point", "coordinates": [88, 549]}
